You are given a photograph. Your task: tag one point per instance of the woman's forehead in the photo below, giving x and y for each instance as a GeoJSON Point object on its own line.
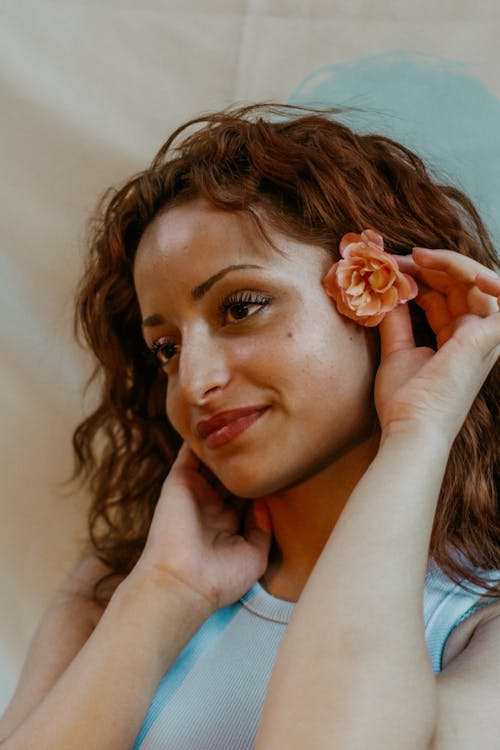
{"type": "Point", "coordinates": [186, 247]}
{"type": "Point", "coordinates": [200, 232]}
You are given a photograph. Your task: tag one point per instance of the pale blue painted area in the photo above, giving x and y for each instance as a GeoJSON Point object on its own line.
{"type": "Point", "coordinates": [436, 108]}
{"type": "Point", "coordinates": [173, 679]}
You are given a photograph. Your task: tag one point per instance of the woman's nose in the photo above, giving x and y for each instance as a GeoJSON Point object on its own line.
{"type": "Point", "coordinates": [203, 367]}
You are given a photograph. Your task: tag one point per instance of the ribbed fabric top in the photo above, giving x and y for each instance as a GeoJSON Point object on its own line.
{"type": "Point", "coordinates": [212, 697]}
{"type": "Point", "coordinates": [446, 605]}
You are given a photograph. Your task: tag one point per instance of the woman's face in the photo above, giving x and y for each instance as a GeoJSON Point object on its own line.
{"type": "Point", "coordinates": [267, 383]}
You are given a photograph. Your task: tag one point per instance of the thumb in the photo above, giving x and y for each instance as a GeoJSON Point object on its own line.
{"type": "Point", "coordinates": [186, 459]}
{"type": "Point", "coordinates": [396, 331]}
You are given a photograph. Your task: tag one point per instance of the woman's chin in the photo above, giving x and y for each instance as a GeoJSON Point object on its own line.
{"type": "Point", "coordinates": [244, 489]}
{"type": "Point", "coordinates": [251, 486]}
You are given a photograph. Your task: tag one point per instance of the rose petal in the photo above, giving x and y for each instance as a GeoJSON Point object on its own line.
{"type": "Point", "coordinates": [367, 283]}
{"type": "Point", "coordinates": [381, 279]}
{"type": "Point", "coordinates": [408, 287]}
{"type": "Point", "coordinates": [351, 250]}
{"type": "Point", "coordinates": [369, 305]}
{"type": "Point", "coordinates": [347, 239]}
{"type": "Point", "coordinates": [355, 289]}
{"type": "Point", "coordinates": [372, 320]}
{"type": "Point", "coordinates": [344, 308]}
{"type": "Point", "coordinates": [344, 274]}
{"type": "Point", "coordinates": [388, 300]}
{"type": "Point", "coordinates": [370, 235]}
{"type": "Point", "coordinates": [363, 252]}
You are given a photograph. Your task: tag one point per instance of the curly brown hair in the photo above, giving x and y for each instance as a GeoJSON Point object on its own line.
{"type": "Point", "coordinates": [313, 179]}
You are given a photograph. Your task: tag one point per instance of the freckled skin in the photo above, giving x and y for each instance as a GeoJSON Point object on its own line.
{"type": "Point", "coordinates": [315, 378]}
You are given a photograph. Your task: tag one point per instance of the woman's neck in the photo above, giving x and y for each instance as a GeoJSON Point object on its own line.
{"type": "Point", "coordinates": [304, 516]}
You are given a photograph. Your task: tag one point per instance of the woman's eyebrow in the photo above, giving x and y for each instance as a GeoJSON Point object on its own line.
{"type": "Point", "coordinates": [200, 290]}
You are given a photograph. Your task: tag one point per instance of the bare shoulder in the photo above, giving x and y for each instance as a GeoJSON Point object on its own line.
{"type": "Point", "coordinates": [469, 685]}
{"type": "Point", "coordinates": [69, 620]}
{"type": "Point", "coordinates": [463, 633]}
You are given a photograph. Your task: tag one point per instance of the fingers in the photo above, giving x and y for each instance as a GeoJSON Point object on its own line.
{"type": "Point", "coordinates": [396, 331]}
{"type": "Point", "coordinates": [224, 520]}
{"type": "Point", "coordinates": [442, 268]}
{"type": "Point", "coordinates": [435, 278]}
{"type": "Point", "coordinates": [489, 283]}
{"type": "Point", "coordinates": [186, 459]}
{"type": "Point", "coordinates": [436, 309]}
{"type": "Point", "coordinates": [451, 286]}
{"type": "Point", "coordinates": [460, 267]}
{"type": "Point", "coordinates": [457, 276]}
{"type": "Point", "coordinates": [481, 303]}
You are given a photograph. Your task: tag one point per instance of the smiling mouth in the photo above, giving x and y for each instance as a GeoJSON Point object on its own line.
{"type": "Point", "coordinates": [226, 426]}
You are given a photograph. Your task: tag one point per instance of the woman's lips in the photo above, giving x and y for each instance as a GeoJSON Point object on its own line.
{"type": "Point", "coordinates": [225, 426]}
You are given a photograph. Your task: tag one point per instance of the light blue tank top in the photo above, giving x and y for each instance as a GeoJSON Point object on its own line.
{"type": "Point", "coordinates": [212, 697]}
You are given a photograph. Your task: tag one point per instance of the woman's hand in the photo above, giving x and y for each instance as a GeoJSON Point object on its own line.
{"type": "Point", "coordinates": [200, 536]}
{"type": "Point", "coordinates": [416, 385]}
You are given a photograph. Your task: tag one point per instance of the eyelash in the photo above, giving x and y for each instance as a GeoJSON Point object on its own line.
{"type": "Point", "coordinates": [157, 350]}
{"type": "Point", "coordinates": [243, 299]}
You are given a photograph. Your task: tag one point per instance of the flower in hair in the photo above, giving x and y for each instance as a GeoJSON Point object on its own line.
{"type": "Point", "coordinates": [367, 283]}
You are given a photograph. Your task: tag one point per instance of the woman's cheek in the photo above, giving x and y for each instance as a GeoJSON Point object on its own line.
{"type": "Point", "coordinates": [173, 409]}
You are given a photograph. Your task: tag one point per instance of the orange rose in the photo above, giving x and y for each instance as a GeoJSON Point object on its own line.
{"type": "Point", "coordinates": [367, 283]}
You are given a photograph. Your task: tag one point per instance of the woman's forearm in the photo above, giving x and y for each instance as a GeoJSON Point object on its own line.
{"type": "Point", "coordinates": [101, 699]}
{"type": "Point", "coordinates": [353, 671]}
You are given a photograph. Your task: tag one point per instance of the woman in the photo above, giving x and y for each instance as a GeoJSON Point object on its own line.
{"type": "Point", "coordinates": [239, 300]}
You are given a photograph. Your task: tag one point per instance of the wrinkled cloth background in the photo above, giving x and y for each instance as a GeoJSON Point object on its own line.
{"type": "Point", "coordinates": [89, 90]}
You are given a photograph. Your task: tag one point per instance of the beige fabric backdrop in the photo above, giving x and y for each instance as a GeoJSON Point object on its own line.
{"type": "Point", "coordinates": [88, 92]}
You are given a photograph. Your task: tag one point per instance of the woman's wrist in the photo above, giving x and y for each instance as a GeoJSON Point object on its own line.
{"type": "Point", "coordinates": [166, 580]}
{"type": "Point", "coordinates": [166, 604]}
{"type": "Point", "coordinates": [164, 586]}
{"type": "Point", "coordinates": [424, 436]}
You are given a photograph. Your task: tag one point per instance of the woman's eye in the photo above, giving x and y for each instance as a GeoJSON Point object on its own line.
{"type": "Point", "coordinates": [240, 307]}
{"type": "Point", "coordinates": [164, 351]}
